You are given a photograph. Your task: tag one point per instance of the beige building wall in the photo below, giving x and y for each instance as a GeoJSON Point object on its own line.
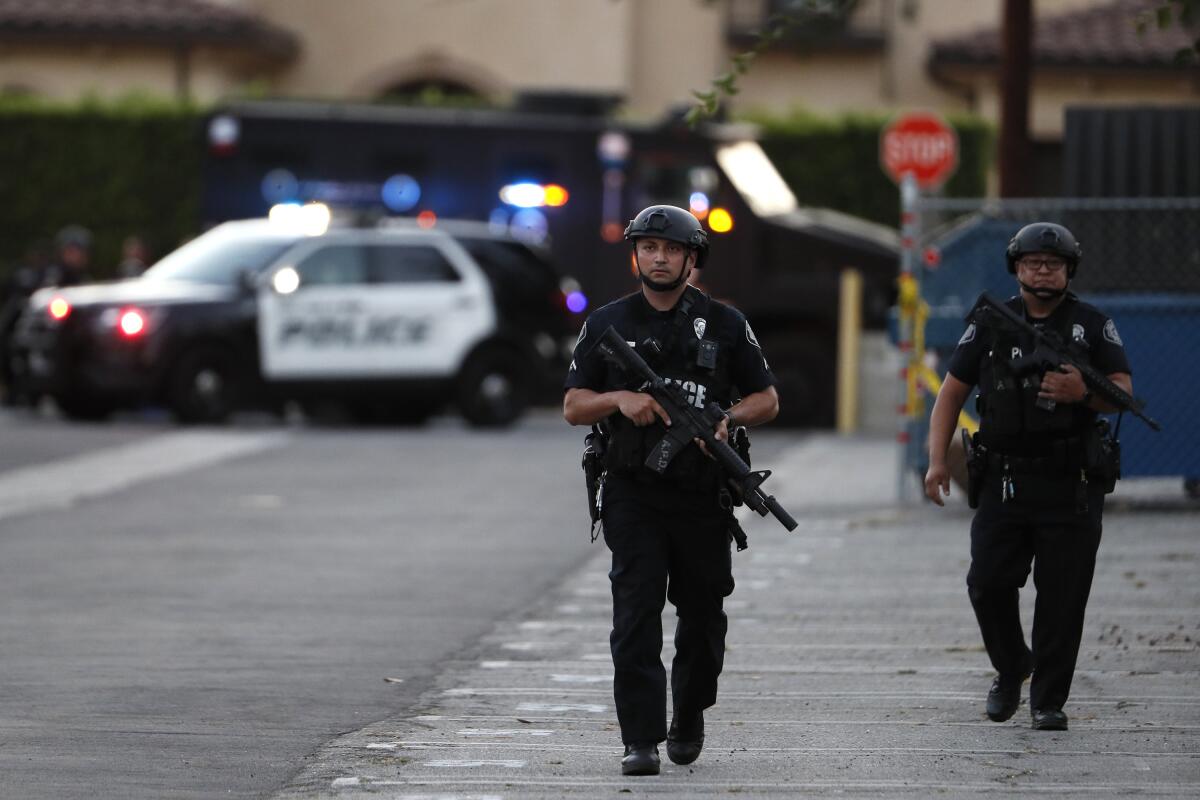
{"type": "Point", "coordinates": [107, 71]}
{"type": "Point", "coordinates": [654, 52]}
{"type": "Point", "coordinates": [898, 78]}
{"type": "Point", "coordinates": [1055, 92]}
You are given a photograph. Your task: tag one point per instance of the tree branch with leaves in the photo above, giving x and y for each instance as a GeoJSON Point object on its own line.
{"type": "Point", "coordinates": [792, 15]}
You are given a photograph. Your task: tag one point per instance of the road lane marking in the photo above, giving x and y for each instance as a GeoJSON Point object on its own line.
{"type": "Point", "coordinates": [63, 483]}
{"type": "Point", "coordinates": [792, 787]}
{"type": "Point", "coordinates": [563, 678]}
{"type": "Point", "coordinates": [469, 763]}
{"type": "Point", "coordinates": [553, 708]}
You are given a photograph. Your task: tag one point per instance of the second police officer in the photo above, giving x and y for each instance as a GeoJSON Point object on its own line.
{"type": "Point", "coordinates": [670, 535]}
{"type": "Point", "coordinates": [1045, 471]}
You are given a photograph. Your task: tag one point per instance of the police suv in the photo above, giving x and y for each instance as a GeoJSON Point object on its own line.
{"type": "Point", "coordinates": [389, 322]}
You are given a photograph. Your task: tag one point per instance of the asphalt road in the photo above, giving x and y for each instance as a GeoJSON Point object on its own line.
{"type": "Point", "coordinates": [193, 613]}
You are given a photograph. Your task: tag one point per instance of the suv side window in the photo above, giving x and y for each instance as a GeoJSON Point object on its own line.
{"type": "Point", "coordinates": [517, 274]}
{"type": "Point", "coordinates": [395, 263]}
{"type": "Point", "coordinates": [335, 265]}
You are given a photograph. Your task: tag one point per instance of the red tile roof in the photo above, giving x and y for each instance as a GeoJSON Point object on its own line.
{"type": "Point", "coordinates": [156, 21]}
{"type": "Point", "coordinates": [1098, 37]}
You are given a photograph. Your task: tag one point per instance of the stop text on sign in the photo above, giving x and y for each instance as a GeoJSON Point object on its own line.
{"type": "Point", "coordinates": [920, 144]}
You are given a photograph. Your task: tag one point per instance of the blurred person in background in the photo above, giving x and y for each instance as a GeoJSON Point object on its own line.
{"type": "Point", "coordinates": [73, 245]}
{"type": "Point", "coordinates": [1041, 465]}
{"type": "Point", "coordinates": [15, 290]}
{"type": "Point", "coordinates": [135, 257]}
{"type": "Point", "coordinates": [69, 267]}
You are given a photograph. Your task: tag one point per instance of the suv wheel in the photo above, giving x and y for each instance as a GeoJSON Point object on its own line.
{"type": "Point", "coordinates": [202, 387]}
{"type": "Point", "coordinates": [493, 389]}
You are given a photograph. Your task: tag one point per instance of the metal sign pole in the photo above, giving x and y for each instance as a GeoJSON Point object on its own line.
{"type": "Point", "coordinates": [907, 320]}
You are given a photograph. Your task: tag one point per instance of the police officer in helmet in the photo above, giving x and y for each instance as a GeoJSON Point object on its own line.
{"type": "Point", "coordinates": [1044, 463]}
{"type": "Point", "coordinates": [670, 535]}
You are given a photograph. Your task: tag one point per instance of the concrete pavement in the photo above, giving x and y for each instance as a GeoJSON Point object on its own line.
{"type": "Point", "coordinates": [854, 668]}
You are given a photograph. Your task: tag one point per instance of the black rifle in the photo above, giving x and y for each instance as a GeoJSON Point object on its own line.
{"type": "Point", "coordinates": [689, 423]}
{"type": "Point", "coordinates": [1050, 351]}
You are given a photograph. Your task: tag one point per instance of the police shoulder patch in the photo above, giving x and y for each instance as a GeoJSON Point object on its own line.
{"type": "Point", "coordinates": [1110, 333]}
{"type": "Point", "coordinates": [968, 334]}
{"type": "Point", "coordinates": [750, 336]}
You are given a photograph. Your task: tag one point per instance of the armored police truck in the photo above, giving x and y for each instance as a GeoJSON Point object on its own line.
{"type": "Point", "coordinates": [387, 322]}
{"type": "Point", "coordinates": [571, 180]}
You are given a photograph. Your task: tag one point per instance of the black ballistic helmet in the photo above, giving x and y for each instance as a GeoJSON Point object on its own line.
{"type": "Point", "coordinates": [73, 236]}
{"type": "Point", "coordinates": [673, 224]}
{"type": "Point", "coordinates": [1044, 237]}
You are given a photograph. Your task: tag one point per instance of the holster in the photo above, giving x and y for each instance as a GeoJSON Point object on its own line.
{"type": "Point", "coordinates": [739, 440]}
{"type": "Point", "coordinates": [1102, 455]}
{"type": "Point", "coordinates": [594, 446]}
{"type": "Point", "coordinates": [727, 500]}
{"type": "Point", "coordinates": [976, 467]}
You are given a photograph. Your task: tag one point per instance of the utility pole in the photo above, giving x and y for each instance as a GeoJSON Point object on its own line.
{"type": "Point", "coordinates": [1016, 60]}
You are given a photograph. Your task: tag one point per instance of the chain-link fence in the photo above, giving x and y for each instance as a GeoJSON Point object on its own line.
{"type": "Point", "coordinates": [1141, 266]}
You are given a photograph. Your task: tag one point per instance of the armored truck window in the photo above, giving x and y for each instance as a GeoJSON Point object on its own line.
{"type": "Point", "coordinates": [410, 264]}
{"type": "Point", "coordinates": [336, 265]}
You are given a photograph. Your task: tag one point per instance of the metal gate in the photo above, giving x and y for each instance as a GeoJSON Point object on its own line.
{"type": "Point", "coordinates": [1141, 266]}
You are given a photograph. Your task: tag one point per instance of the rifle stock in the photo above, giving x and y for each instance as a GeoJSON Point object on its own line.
{"type": "Point", "coordinates": [688, 423]}
{"type": "Point", "coordinates": [1050, 351]}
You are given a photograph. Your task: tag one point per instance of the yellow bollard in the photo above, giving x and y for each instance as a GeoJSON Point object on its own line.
{"type": "Point", "coordinates": [849, 349]}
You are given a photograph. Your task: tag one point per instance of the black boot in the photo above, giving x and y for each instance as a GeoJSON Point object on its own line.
{"type": "Point", "coordinates": [1049, 719]}
{"type": "Point", "coordinates": [1004, 697]}
{"type": "Point", "coordinates": [685, 739]}
{"type": "Point", "coordinates": [641, 758]}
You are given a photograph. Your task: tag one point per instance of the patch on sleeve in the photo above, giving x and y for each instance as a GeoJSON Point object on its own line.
{"type": "Point", "coordinates": [1110, 333]}
{"type": "Point", "coordinates": [750, 336]}
{"type": "Point", "coordinates": [968, 334]}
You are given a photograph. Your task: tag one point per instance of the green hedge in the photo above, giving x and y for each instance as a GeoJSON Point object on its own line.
{"type": "Point", "coordinates": [130, 167]}
{"type": "Point", "coordinates": [833, 162]}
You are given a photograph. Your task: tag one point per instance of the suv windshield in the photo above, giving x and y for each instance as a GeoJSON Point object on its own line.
{"type": "Point", "coordinates": [219, 257]}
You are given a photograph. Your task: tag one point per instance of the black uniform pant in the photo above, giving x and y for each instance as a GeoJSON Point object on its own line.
{"type": "Point", "coordinates": [665, 544]}
{"type": "Point", "coordinates": [1042, 524]}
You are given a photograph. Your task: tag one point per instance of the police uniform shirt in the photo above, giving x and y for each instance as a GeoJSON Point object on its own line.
{"type": "Point", "coordinates": [739, 359]}
{"type": "Point", "coordinates": [1091, 330]}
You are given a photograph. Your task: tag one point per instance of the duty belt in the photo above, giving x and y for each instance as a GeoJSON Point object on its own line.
{"type": "Point", "coordinates": [1019, 465]}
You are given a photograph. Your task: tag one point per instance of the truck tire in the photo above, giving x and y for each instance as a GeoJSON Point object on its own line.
{"type": "Point", "coordinates": [82, 408]}
{"type": "Point", "coordinates": [806, 383]}
{"type": "Point", "coordinates": [493, 389]}
{"type": "Point", "coordinates": [203, 386]}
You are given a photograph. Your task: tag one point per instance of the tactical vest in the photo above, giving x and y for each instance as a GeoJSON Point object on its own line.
{"type": "Point", "coordinates": [685, 354]}
{"type": "Point", "coordinates": [1007, 403]}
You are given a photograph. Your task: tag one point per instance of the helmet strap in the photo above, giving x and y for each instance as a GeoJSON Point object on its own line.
{"type": "Point", "coordinates": [658, 286]}
{"type": "Point", "coordinates": [1042, 293]}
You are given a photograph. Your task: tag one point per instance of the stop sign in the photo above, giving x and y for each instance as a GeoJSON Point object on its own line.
{"type": "Point", "coordinates": [920, 143]}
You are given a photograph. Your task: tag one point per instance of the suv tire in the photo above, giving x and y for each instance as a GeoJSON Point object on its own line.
{"type": "Point", "coordinates": [202, 387]}
{"type": "Point", "coordinates": [493, 389]}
